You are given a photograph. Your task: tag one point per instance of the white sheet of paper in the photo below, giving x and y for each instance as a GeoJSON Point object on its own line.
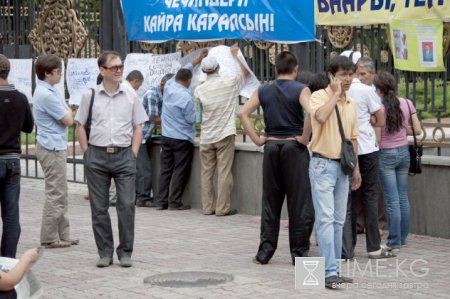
{"type": "Point", "coordinates": [20, 76]}
{"type": "Point", "coordinates": [29, 287]}
{"type": "Point", "coordinates": [140, 62]}
{"type": "Point", "coordinates": [81, 74]}
{"type": "Point", "coordinates": [60, 86]}
{"type": "Point", "coordinates": [197, 73]}
{"type": "Point", "coordinates": [160, 66]}
{"type": "Point", "coordinates": [230, 67]}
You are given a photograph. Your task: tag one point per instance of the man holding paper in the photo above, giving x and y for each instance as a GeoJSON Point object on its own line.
{"type": "Point", "coordinates": [218, 97]}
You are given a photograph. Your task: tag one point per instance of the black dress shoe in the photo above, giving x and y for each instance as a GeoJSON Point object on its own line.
{"type": "Point", "coordinates": [333, 282]}
{"type": "Point", "coordinates": [160, 208]}
{"type": "Point", "coordinates": [180, 207]}
{"type": "Point", "coordinates": [229, 213]}
{"type": "Point", "coordinates": [257, 261]}
{"type": "Point", "coordinates": [145, 203]}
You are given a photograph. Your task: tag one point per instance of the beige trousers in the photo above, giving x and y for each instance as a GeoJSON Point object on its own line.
{"type": "Point", "coordinates": [218, 156]}
{"type": "Point", "coordinates": [55, 222]}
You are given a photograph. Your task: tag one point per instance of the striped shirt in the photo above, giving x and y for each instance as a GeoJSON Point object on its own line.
{"type": "Point", "coordinates": [152, 104]}
{"type": "Point", "coordinates": [218, 96]}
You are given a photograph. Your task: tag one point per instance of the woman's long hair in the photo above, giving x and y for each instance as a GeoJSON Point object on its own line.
{"type": "Point", "coordinates": [385, 83]}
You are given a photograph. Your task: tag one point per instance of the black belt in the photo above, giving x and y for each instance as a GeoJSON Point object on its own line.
{"type": "Point", "coordinates": [110, 149]}
{"type": "Point", "coordinates": [317, 155]}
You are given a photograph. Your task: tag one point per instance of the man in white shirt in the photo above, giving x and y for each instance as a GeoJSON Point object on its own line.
{"type": "Point", "coordinates": [218, 97]}
{"type": "Point", "coordinates": [368, 105]}
{"type": "Point", "coordinates": [110, 152]}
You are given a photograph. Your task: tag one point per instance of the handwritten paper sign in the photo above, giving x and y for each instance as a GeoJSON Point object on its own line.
{"type": "Point", "coordinates": [230, 67]}
{"type": "Point", "coordinates": [81, 74]}
{"type": "Point", "coordinates": [162, 65]}
{"type": "Point", "coordinates": [20, 76]}
{"type": "Point", "coordinates": [60, 85]}
{"type": "Point", "coordinates": [139, 62]}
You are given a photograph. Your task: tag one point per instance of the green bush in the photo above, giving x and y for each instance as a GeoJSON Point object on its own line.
{"type": "Point", "coordinates": [421, 96]}
{"type": "Point", "coordinates": [32, 136]}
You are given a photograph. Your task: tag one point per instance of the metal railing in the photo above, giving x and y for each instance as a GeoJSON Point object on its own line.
{"type": "Point", "coordinates": [427, 90]}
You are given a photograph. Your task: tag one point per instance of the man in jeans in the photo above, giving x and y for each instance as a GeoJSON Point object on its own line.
{"type": "Point", "coordinates": [15, 116]}
{"type": "Point", "coordinates": [369, 108]}
{"type": "Point", "coordinates": [329, 184]}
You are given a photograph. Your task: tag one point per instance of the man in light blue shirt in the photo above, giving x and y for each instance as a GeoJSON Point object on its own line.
{"type": "Point", "coordinates": [177, 142]}
{"type": "Point", "coordinates": [52, 117]}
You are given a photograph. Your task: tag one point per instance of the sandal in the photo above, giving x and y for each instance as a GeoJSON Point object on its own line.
{"type": "Point", "coordinates": [72, 241]}
{"type": "Point", "coordinates": [383, 254]}
{"type": "Point", "coordinates": [56, 244]}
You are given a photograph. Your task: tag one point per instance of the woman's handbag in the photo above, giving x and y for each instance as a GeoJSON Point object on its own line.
{"type": "Point", "coordinates": [415, 151]}
{"type": "Point", "coordinates": [348, 156]}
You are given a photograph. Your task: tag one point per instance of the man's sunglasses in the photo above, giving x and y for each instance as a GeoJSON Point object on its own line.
{"type": "Point", "coordinates": [114, 68]}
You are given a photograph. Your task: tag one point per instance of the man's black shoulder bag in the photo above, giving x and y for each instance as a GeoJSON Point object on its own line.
{"type": "Point", "coordinates": [87, 126]}
{"type": "Point", "coordinates": [348, 156]}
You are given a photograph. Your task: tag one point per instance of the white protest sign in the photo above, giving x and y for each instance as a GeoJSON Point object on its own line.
{"type": "Point", "coordinates": [162, 65]}
{"type": "Point", "coordinates": [81, 75]}
{"type": "Point", "coordinates": [139, 62]}
{"type": "Point", "coordinates": [20, 76]}
{"type": "Point", "coordinates": [230, 67]}
{"type": "Point", "coordinates": [197, 73]}
{"type": "Point", "coordinates": [60, 85]}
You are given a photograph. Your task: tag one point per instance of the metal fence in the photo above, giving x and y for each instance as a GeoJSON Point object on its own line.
{"type": "Point", "coordinates": [427, 90]}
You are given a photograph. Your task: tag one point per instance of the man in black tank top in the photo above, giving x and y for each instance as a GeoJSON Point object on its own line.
{"type": "Point", "coordinates": [285, 103]}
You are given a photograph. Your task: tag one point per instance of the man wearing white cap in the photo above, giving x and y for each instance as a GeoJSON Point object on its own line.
{"type": "Point", "coordinates": [218, 97]}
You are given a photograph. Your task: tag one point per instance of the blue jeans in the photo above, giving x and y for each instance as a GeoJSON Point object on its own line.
{"type": "Point", "coordinates": [394, 166]}
{"type": "Point", "coordinates": [9, 201]}
{"type": "Point", "coordinates": [329, 186]}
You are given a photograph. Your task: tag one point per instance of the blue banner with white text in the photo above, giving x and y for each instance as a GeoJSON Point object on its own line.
{"type": "Point", "coordinates": [287, 21]}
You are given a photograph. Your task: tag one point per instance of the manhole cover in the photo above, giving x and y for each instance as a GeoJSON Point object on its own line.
{"type": "Point", "coordinates": [188, 279]}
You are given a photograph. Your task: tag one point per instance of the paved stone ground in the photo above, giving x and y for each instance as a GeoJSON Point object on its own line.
{"type": "Point", "coordinates": [171, 241]}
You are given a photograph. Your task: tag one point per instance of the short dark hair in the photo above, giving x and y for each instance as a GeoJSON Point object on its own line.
{"type": "Point", "coordinates": [99, 79]}
{"type": "Point", "coordinates": [5, 67]}
{"type": "Point", "coordinates": [166, 78]}
{"type": "Point", "coordinates": [135, 75]}
{"type": "Point", "coordinates": [285, 62]}
{"type": "Point", "coordinates": [46, 64]}
{"type": "Point", "coordinates": [105, 56]}
{"type": "Point", "coordinates": [305, 77]}
{"type": "Point", "coordinates": [318, 81]}
{"type": "Point", "coordinates": [340, 62]}
{"type": "Point", "coordinates": [183, 75]}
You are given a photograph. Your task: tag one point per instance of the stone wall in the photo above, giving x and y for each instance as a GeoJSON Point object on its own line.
{"type": "Point", "coordinates": [429, 192]}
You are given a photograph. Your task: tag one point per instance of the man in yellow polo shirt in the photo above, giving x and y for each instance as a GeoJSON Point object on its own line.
{"type": "Point", "coordinates": [329, 184]}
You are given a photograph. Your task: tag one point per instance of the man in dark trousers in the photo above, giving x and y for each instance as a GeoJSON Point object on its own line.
{"type": "Point", "coordinates": [178, 133]}
{"type": "Point", "coordinates": [286, 159]}
{"type": "Point", "coordinates": [111, 152]}
{"type": "Point", "coordinates": [15, 116]}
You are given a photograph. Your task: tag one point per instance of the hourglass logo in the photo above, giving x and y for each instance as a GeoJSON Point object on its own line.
{"type": "Point", "coordinates": [309, 272]}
